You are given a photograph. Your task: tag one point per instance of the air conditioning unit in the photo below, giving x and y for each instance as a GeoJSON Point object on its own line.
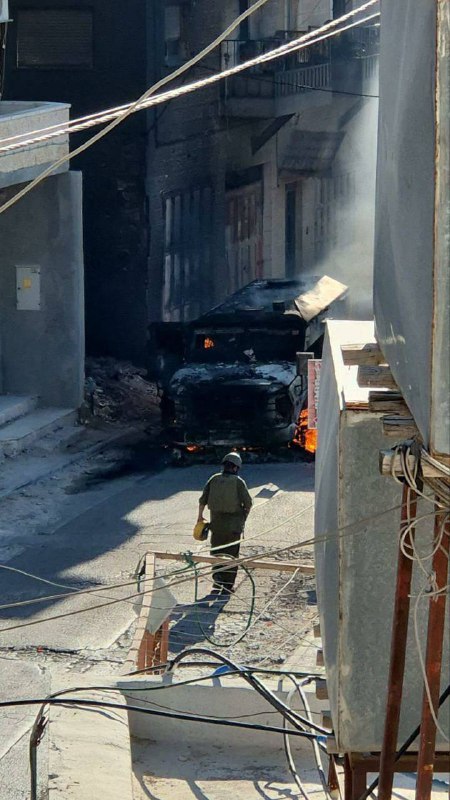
{"type": "Point", "coordinates": [4, 14]}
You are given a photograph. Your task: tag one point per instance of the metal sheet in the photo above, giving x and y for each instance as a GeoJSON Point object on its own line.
{"type": "Point", "coordinates": [28, 288]}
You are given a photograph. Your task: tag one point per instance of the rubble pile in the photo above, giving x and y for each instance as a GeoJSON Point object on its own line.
{"type": "Point", "coordinates": [117, 391]}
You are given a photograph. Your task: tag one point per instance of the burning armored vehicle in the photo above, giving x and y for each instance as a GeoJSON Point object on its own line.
{"type": "Point", "coordinates": [231, 377]}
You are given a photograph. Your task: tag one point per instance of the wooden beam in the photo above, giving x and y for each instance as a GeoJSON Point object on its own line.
{"type": "Point", "coordinates": [406, 762]}
{"type": "Point", "coordinates": [317, 633]}
{"type": "Point", "coordinates": [390, 462]}
{"type": "Point", "coordinates": [401, 427]}
{"type": "Point", "coordinates": [277, 566]}
{"type": "Point", "coordinates": [320, 661]}
{"type": "Point", "coordinates": [355, 355]}
{"type": "Point", "coordinates": [379, 377]}
{"type": "Point", "coordinates": [388, 403]}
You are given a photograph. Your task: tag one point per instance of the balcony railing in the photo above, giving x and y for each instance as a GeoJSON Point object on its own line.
{"type": "Point", "coordinates": [236, 51]}
{"type": "Point", "coordinates": [296, 81]}
{"type": "Point", "coordinates": [291, 74]}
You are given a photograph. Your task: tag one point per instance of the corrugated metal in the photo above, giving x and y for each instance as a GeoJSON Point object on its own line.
{"type": "Point", "coordinates": [412, 242]}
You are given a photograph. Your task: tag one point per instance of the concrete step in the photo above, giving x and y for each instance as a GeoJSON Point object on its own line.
{"type": "Point", "coordinates": [15, 406]}
{"type": "Point", "coordinates": [17, 436]}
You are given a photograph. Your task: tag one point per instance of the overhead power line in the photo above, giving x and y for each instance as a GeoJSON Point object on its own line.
{"type": "Point", "coordinates": [207, 570]}
{"type": "Point", "coordinates": [118, 113]}
{"type": "Point", "coordinates": [150, 98]}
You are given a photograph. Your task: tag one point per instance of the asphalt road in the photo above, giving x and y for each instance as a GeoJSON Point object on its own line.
{"type": "Point", "coordinates": [94, 540]}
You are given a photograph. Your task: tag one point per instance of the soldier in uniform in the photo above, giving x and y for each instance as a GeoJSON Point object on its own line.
{"type": "Point", "coordinates": [229, 503]}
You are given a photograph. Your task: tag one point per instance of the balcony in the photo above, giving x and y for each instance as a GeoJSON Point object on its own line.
{"type": "Point", "coordinates": [19, 119]}
{"type": "Point", "coordinates": [303, 80]}
{"type": "Point", "coordinates": [277, 88]}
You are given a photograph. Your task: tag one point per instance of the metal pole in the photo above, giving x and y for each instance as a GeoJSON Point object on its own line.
{"type": "Point", "coordinates": [398, 652]}
{"type": "Point", "coordinates": [433, 664]}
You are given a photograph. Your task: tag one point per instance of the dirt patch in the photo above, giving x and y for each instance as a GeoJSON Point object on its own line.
{"type": "Point", "coordinates": [118, 392]}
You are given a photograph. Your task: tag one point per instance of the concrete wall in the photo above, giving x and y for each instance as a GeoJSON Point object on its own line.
{"type": "Point", "coordinates": [43, 351]}
{"type": "Point", "coordinates": [358, 512]}
{"type": "Point", "coordinates": [412, 275]}
{"type": "Point", "coordinates": [187, 149]}
{"type": "Point", "coordinates": [115, 211]}
{"type": "Point", "coordinates": [19, 118]}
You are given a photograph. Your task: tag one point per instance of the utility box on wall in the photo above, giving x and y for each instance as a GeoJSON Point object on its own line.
{"type": "Point", "coordinates": [28, 288]}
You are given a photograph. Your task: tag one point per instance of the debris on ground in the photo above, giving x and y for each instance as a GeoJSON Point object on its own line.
{"type": "Point", "coordinates": [118, 392]}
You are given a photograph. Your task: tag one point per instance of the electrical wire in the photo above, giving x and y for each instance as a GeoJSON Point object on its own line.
{"type": "Point", "coordinates": [405, 746]}
{"type": "Point", "coordinates": [206, 571]}
{"type": "Point", "coordinates": [206, 635]}
{"type": "Point", "coordinates": [431, 590]}
{"type": "Point", "coordinates": [146, 101]}
{"type": "Point", "coordinates": [299, 688]}
{"type": "Point", "coordinates": [296, 719]}
{"type": "Point", "coordinates": [121, 112]}
{"type": "Point", "coordinates": [287, 749]}
{"type": "Point", "coordinates": [83, 703]}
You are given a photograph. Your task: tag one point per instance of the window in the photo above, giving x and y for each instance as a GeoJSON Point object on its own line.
{"type": "Point", "coordinates": [175, 45]}
{"type": "Point", "coordinates": [55, 37]}
{"type": "Point", "coordinates": [188, 221]}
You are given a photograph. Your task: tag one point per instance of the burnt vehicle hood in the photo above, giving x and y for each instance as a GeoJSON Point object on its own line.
{"type": "Point", "coordinates": [264, 375]}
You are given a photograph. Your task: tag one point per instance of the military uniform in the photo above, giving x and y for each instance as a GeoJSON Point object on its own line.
{"type": "Point", "coordinates": [229, 502]}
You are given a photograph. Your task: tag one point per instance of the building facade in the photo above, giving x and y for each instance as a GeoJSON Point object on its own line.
{"type": "Point", "coordinates": [41, 267]}
{"type": "Point", "coordinates": [192, 200]}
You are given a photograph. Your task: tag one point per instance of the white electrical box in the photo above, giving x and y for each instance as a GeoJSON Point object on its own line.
{"type": "Point", "coordinates": [4, 12]}
{"type": "Point", "coordinates": [28, 288]}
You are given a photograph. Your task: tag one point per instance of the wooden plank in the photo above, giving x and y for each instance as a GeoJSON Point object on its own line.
{"type": "Point", "coordinates": [277, 566]}
{"type": "Point", "coordinates": [355, 355]}
{"type": "Point", "coordinates": [388, 403]}
{"type": "Point", "coordinates": [387, 465]}
{"type": "Point", "coordinates": [321, 690]}
{"type": "Point", "coordinates": [336, 778]}
{"type": "Point", "coordinates": [378, 377]}
{"type": "Point", "coordinates": [317, 633]}
{"type": "Point", "coordinates": [406, 763]}
{"type": "Point", "coordinates": [320, 661]}
{"type": "Point", "coordinates": [401, 427]}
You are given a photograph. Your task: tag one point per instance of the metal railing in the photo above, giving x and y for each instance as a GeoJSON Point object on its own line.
{"type": "Point", "coordinates": [236, 51]}
{"type": "Point", "coordinates": [369, 66]}
{"type": "Point", "coordinates": [296, 81]}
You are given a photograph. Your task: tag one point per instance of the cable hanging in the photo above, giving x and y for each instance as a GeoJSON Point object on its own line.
{"type": "Point", "coordinates": [148, 101]}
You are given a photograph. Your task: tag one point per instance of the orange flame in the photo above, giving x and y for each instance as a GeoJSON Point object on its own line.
{"type": "Point", "coordinates": [305, 437]}
{"type": "Point", "coordinates": [209, 343]}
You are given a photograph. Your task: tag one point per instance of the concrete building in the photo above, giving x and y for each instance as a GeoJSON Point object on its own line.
{"type": "Point", "coordinates": [41, 281]}
{"type": "Point", "coordinates": [267, 173]}
{"type": "Point", "coordinates": [189, 202]}
{"type": "Point", "coordinates": [93, 55]}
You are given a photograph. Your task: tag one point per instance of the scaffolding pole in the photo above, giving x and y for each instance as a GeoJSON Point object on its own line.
{"type": "Point", "coordinates": [398, 651]}
{"type": "Point", "coordinates": [433, 662]}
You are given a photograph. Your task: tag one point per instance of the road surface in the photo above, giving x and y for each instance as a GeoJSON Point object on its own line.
{"type": "Point", "coordinates": [81, 537]}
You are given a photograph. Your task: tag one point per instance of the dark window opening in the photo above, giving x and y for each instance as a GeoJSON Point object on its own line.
{"type": "Point", "coordinates": [55, 37]}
